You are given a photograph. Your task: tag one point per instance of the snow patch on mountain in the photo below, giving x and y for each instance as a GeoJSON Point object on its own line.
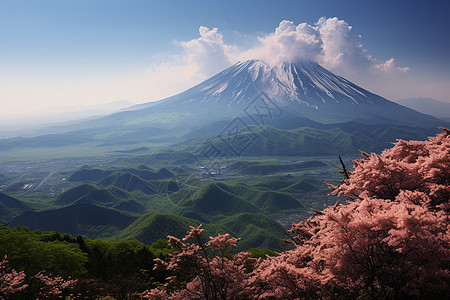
{"type": "Point", "coordinates": [305, 83]}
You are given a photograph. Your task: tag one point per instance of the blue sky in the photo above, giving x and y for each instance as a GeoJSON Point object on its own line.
{"type": "Point", "coordinates": [62, 53]}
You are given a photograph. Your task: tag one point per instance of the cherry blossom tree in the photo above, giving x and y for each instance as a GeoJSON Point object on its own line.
{"type": "Point", "coordinates": [421, 166]}
{"type": "Point", "coordinates": [11, 281]}
{"type": "Point", "coordinates": [390, 240]}
{"type": "Point", "coordinates": [204, 270]}
{"type": "Point", "coordinates": [54, 287]}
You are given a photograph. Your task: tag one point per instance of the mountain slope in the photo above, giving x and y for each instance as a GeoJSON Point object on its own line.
{"type": "Point", "coordinates": [111, 197]}
{"type": "Point", "coordinates": [256, 230]}
{"type": "Point", "coordinates": [331, 139]}
{"type": "Point", "coordinates": [211, 201]}
{"type": "Point", "coordinates": [153, 226]}
{"type": "Point", "coordinates": [11, 207]}
{"type": "Point", "coordinates": [428, 106]}
{"type": "Point", "coordinates": [128, 181]}
{"type": "Point", "coordinates": [306, 83]}
{"type": "Point", "coordinates": [85, 219]}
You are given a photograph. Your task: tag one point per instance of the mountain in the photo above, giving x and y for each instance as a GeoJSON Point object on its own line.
{"type": "Point", "coordinates": [286, 96]}
{"type": "Point", "coordinates": [305, 83]}
{"type": "Point", "coordinates": [88, 174]}
{"type": "Point", "coordinates": [289, 90]}
{"type": "Point", "coordinates": [428, 106]}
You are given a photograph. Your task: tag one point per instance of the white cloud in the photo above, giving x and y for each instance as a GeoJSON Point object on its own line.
{"type": "Point", "coordinates": [330, 42]}
{"type": "Point", "coordinates": [341, 49]}
{"type": "Point", "coordinates": [289, 43]}
{"type": "Point", "coordinates": [208, 52]}
{"type": "Point", "coordinates": [389, 66]}
{"type": "Point", "coordinates": [199, 59]}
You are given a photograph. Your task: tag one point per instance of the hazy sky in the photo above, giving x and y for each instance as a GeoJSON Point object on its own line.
{"type": "Point", "coordinates": [63, 53]}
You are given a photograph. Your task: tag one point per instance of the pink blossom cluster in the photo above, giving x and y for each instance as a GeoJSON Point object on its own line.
{"type": "Point", "coordinates": [389, 241]}
{"type": "Point", "coordinates": [415, 166]}
{"type": "Point", "coordinates": [54, 286]}
{"type": "Point", "coordinates": [204, 269]}
{"type": "Point", "coordinates": [11, 281]}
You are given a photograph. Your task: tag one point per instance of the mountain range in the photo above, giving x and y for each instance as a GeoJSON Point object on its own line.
{"type": "Point", "coordinates": [428, 106]}
{"type": "Point", "coordinates": [40, 120]}
{"type": "Point", "coordinates": [287, 96]}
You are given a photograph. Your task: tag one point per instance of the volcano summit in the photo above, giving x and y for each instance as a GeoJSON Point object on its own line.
{"type": "Point", "coordinates": [303, 89]}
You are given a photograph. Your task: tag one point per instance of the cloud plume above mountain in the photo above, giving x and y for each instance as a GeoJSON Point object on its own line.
{"type": "Point", "coordinates": [208, 52]}
{"type": "Point", "coordinates": [329, 42]}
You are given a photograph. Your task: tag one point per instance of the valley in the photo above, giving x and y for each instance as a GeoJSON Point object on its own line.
{"type": "Point", "coordinates": [248, 152]}
{"type": "Point", "coordinates": [131, 201]}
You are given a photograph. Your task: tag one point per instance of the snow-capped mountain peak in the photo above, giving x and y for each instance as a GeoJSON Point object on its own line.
{"type": "Point", "coordinates": [301, 89]}
{"type": "Point", "coordinates": [305, 83]}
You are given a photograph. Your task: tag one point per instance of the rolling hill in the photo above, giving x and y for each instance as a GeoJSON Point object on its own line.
{"type": "Point", "coordinates": [211, 202]}
{"type": "Point", "coordinates": [11, 207]}
{"type": "Point", "coordinates": [255, 230]}
{"type": "Point", "coordinates": [82, 219]}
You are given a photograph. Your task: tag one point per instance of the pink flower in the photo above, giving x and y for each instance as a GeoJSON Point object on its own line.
{"type": "Point", "coordinates": [222, 242]}
{"type": "Point", "coordinates": [194, 233]}
{"type": "Point", "coordinates": [11, 281]}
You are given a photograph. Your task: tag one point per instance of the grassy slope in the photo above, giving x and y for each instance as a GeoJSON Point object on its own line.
{"type": "Point", "coordinates": [85, 219]}
{"type": "Point", "coordinates": [256, 230]}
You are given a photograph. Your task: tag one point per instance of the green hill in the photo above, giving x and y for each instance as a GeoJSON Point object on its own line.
{"type": "Point", "coordinates": [86, 174]}
{"type": "Point", "coordinates": [256, 230]}
{"type": "Point", "coordinates": [146, 173]}
{"type": "Point", "coordinates": [304, 186]}
{"type": "Point", "coordinates": [11, 207]}
{"type": "Point", "coordinates": [275, 182]}
{"type": "Point", "coordinates": [329, 139]}
{"type": "Point", "coordinates": [130, 206]}
{"type": "Point", "coordinates": [266, 200]}
{"type": "Point", "coordinates": [210, 200]}
{"type": "Point", "coordinates": [153, 226]}
{"type": "Point", "coordinates": [112, 197]}
{"type": "Point", "coordinates": [273, 202]}
{"type": "Point", "coordinates": [75, 193]}
{"type": "Point", "coordinates": [101, 197]}
{"type": "Point", "coordinates": [85, 219]}
{"type": "Point", "coordinates": [242, 190]}
{"type": "Point", "coordinates": [127, 181]}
